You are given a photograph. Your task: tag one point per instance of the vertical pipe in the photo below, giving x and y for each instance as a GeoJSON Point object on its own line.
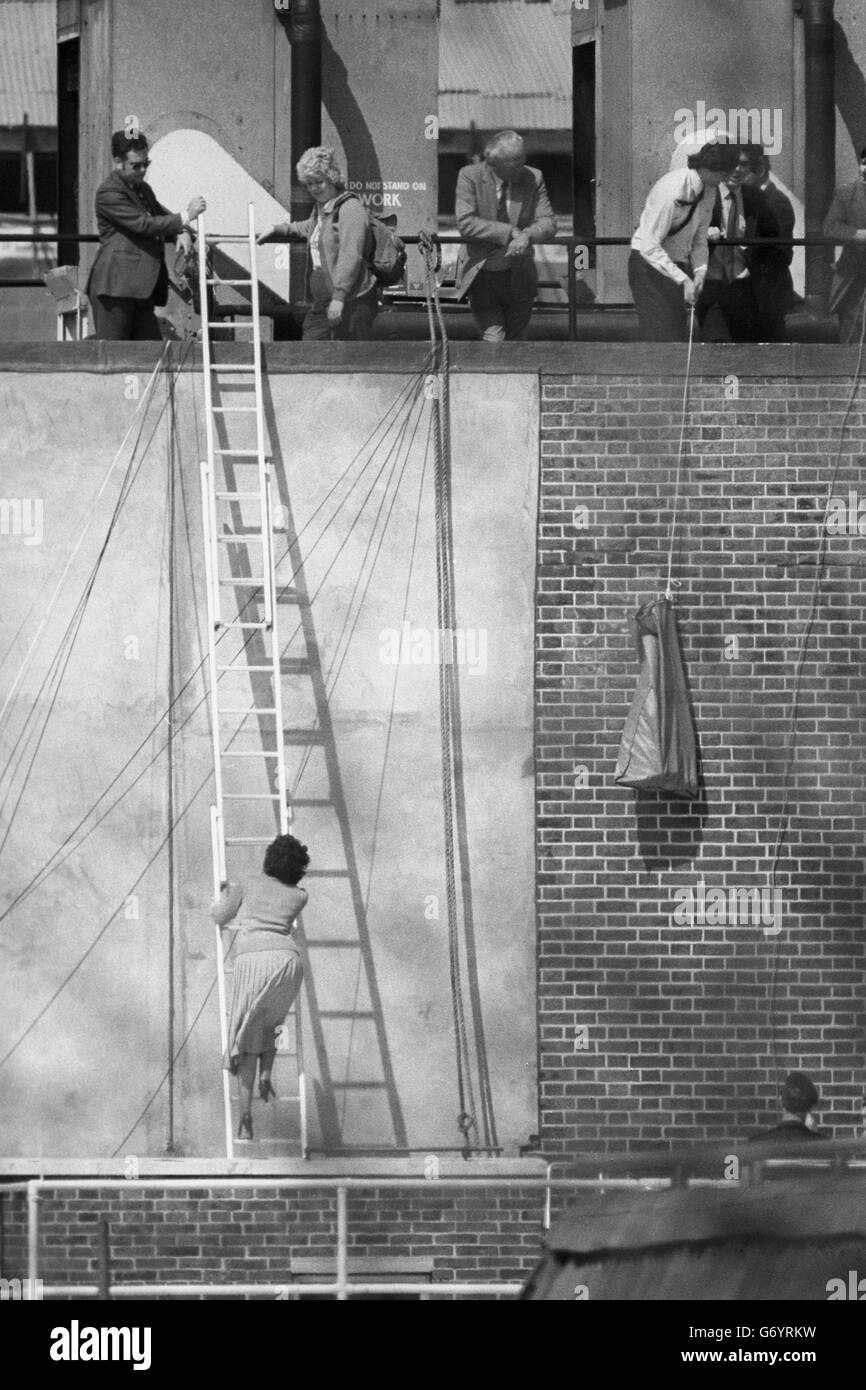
{"type": "Point", "coordinates": [169, 1142]}
{"type": "Point", "coordinates": [103, 1263]}
{"type": "Point", "coordinates": [820, 161]}
{"type": "Point", "coordinates": [33, 1232]}
{"type": "Point", "coordinates": [342, 1237]}
{"type": "Point", "coordinates": [305, 37]}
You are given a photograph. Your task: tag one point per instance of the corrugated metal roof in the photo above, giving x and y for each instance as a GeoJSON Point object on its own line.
{"type": "Point", "coordinates": [28, 62]}
{"type": "Point", "coordinates": [506, 63]}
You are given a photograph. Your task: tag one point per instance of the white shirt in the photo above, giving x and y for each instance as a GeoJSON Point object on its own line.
{"type": "Point", "coordinates": [667, 206]}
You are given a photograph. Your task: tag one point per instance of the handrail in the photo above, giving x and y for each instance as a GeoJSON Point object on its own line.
{"type": "Point", "coordinates": [757, 1159]}
{"type": "Point", "coordinates": [571, 241]}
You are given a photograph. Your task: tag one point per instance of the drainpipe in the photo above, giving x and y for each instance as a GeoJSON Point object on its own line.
{"type": "Point", "coordinates": [303, 25]}
{"type": "Point", "coordinates": [820, 162]}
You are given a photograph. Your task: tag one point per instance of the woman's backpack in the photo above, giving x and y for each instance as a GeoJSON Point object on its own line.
{"type": "Point", "coordinates": [386, 254]}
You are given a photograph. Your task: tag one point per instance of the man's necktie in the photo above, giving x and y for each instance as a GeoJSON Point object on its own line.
{"type": "Point", "coordinates": [502, 204]}
{"type": "Point", "coordinates": [730, 235]}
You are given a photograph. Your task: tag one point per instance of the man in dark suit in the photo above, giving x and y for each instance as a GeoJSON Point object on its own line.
{"type": "Point", "coordinates": [774, 287]}
{"type": "Point", "coordinates": [129, 275]}
{"type": "Point", "coordinates": [728, 306]}
{"type": "Point", "coordinates": [502, 205]}
{"type": "Point", "coordinates": [799, 1098]}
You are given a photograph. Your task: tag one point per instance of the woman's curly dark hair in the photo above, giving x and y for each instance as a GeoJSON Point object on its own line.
{"type": "Point", "coordinates": [286, 859]}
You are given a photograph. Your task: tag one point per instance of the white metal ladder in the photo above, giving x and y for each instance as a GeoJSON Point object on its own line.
{"type": "Point", "coordinates": [239, 565]}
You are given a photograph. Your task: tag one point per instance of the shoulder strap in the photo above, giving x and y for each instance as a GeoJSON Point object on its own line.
{"type": "Point", "coordinates": [688, 217]}
{"type": "Point", "coordinates": [343, 198]}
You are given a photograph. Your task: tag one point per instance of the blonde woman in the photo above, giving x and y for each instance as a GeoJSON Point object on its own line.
{"type": "Point", "coordinates": [340, 284]}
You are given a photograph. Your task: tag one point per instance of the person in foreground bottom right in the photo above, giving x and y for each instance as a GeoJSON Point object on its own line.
{"type": "Point", "coordinates": [799, 1098]}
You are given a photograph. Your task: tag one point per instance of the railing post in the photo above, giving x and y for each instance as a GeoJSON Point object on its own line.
{"type": "Point", "coordinates": [32, 1232]}
{"type": "Point", "coordinates": [572, 291]}
{"type": "Point", "coordinates": [342, 1237]}
{"type": "Point", "coordinates": [104, 1264]}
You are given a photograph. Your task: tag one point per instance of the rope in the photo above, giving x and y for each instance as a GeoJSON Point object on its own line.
{"type": "Point", "coordinates": [59, 586]}
{"type": "Point", "coordinates": [669, 581]}
{"type": "Point", "coordinates": [454, 810]}
{"type": "Point", "coordinates": [60, 660]}
{"type": "Point", "coordinates": [332, 675]}
{"type": "Point", "coordinates": [104, 928]}
{"type": "Point", "coordinates": [59, 855]}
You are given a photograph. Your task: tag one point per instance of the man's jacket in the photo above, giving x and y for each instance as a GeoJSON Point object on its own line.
{"type": "Point", "coordinates": [476, 207]}
{"type": "Point", "coordinates": [760, 222]}
{"type": "Point", "coordinates": [845, 217]}
{"type": "Point", "coordinates": [133, 229]}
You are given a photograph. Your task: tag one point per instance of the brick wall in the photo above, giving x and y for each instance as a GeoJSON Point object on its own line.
{"type": "Point", "coordinates": [249, 1234]}
{"type": "Point", "coordinates": [688, 1030]}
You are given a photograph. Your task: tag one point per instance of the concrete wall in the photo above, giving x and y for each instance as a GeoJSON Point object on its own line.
{"type": "Point", "coordinates": [100, 1051]}
{"type": "Point", "coordinates": [725, 55]}
{"type": "Point", "coordinates": [850, 87]}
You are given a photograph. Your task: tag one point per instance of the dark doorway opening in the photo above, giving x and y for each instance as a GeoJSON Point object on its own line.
{"type": "Point", "coordinates": [583, 126]}
{"type": "Point", "coordinates": [67, 149]}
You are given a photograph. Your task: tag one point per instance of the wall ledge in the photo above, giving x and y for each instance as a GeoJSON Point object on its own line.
{"type": "Point", "coordinates": [20, 1170]}
{"type": "Point", "coordinates": [655, 360]}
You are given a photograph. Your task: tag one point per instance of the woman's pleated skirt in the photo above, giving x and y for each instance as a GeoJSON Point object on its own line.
{"type": "Point", "coordinates": [265, 985]}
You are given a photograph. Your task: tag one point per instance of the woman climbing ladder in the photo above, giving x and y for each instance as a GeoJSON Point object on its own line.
{"type": "Point", "coordinates": [268, 970]}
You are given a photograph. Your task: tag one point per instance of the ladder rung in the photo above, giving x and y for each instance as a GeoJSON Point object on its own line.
{"type": "Point", "coordinates": [251, 796]}
{"type": "Point", "coordinates": [250, 709]}
{"type": "Point", "coordinates": [217, 281]}
{"type": "Point", "coordinates": [232, 367]}
{"type": "Point", "coordinates": [244, 753]}
{"type": "Point", "coordinates": [237, 496]}
{"type": "Point", "coordinates": [359, 1085]}
{"type": "Point", "coordinates": [248, 839]}
{"type": "Point", "coordinates": [335, 943]}
{"type": "Point", "coordinates": [346, 1013]}
{"type": "Point", "coordinates": [233, 409]}
{"type": "Point", "coordinates": [239, 453]}
{"type": "Point", "coordinates": [258, 626]}
{"type": "Point", "coordinates": [234, 236]}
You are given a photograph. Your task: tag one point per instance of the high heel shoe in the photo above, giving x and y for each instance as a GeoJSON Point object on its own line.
{"type": "Point", "coordinates": [245, 1127]}
{"type": "Point", "coordinates": [266, 1090]}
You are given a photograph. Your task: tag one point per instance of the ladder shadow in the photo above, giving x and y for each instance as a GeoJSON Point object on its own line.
{"type": "Point", "coordinates": [323, 737]}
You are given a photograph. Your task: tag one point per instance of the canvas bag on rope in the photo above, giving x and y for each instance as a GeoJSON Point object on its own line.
{"type": "Point", "coordinates": [659, 748]}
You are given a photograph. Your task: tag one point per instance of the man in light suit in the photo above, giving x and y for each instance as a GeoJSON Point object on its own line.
{"type": "Point", "coordinates": [129, 275]}
{"type": "Point", "coordinates": [502, 205]}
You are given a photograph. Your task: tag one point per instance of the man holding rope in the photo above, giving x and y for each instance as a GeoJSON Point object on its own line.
{"type": "Point", "coordinates": [668, 261]}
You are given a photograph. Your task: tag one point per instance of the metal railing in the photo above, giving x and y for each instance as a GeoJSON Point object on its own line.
{"type": "Point", "coordinates": [629, 1172]}
{"type": "Point", "coordinates": [571, 242]}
